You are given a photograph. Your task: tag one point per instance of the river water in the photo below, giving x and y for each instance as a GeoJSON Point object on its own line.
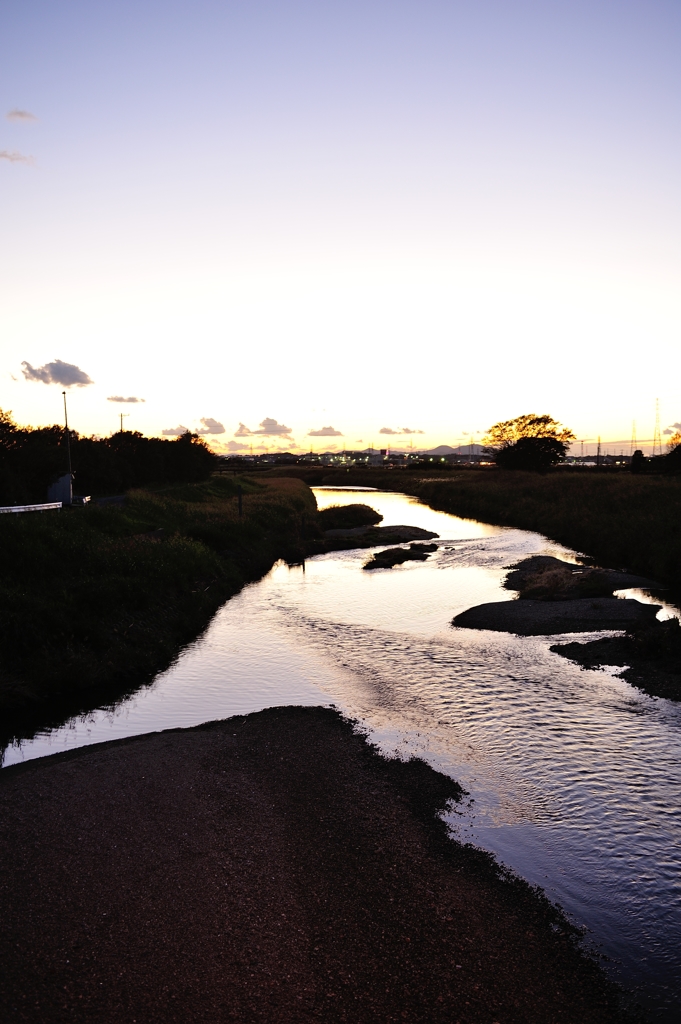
{"type": "Point", "coordinates": [573, 776]}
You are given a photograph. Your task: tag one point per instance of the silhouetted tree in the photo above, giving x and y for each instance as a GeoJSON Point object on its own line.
{"type": "Point", "coordinates": [31, 459]}
{"type": "Point", "coordinates": [528, 442]}
{"type": "Point", "coordinates": [638, 462]}
{"type": "Point", "coordinates": [672, 462]}
{"type": "Point", "coordinates": [533, 453]}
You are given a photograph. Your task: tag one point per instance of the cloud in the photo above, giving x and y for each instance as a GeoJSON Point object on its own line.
{"type": "Point", "coordinates": [20, 115]}
{"type": "Point", "coordinates": [211, 426]}
{"type": "Point", "coordinates": [402, 430]}
{"type": "Point", "coordinates": [268, 428]}
{"type": "Point", "coordinates": [325, 432]}
{"type": "Point", "coordinates": [119, 398]}
{"type": "Point", "coordinates": [175, 431]}
{"type": "Point", "coordinates": [57, 372]}
{"type": "Point", "coordinates": [236, 446]}
{"type": "Point", "coordinates": [673, 429]}
{"type": "Point", "coordinates": [14, 157]}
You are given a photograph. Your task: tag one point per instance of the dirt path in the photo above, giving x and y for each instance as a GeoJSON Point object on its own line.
{"type": "Point", "coordinates": [266, 868]}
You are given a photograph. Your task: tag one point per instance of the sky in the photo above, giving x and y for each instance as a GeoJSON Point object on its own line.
{"type": "Point", "coordinates": [292, 224]}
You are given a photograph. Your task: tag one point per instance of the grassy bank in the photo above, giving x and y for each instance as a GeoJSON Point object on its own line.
{"type": "Point", "coordinates": [622, 520]}
{"type": "Point", "coordinates": [96, 601]}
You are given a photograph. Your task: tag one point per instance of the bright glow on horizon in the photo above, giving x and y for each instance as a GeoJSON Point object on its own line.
{"type": "Point", "coordinates": [361, 216]}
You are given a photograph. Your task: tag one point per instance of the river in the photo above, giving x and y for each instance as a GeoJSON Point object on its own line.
{"type": "Point", "coordinates": [573, 776]}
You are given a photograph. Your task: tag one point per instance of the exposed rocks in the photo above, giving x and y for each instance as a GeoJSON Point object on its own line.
{"type": "Point", "coordinates": [396, 556]}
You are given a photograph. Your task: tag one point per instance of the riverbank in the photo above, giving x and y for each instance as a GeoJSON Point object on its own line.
{"type": "Point", "coordinates": [621, 520]}
{"type": "Point", "coordinates": [268, 867]}
{"type": "Point", "coordinates": [95, 601]}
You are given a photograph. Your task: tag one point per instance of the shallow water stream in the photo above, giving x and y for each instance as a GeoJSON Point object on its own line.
{"type": "Point", "coordinates": [574, 776]}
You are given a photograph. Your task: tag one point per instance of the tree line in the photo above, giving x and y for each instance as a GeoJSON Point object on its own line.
{"type": "Point", "coordinates": [537, 443]}
{"type": "Point", "coordinates": [32, 458]}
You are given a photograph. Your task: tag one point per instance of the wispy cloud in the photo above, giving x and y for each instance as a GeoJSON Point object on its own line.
{"type": "Point", "coordinates": [401, 430]}
{"type": "Point", "coordinates": [14, 157]}
{"type": "Point", "coordinates": [119, 398]}
{"type": "Point", "coordinates": [211, 426]}
{"type": "Point", "coordinates": [325, 432]}
{"type": "Point", "coordinates": [20, 115]}
{"type": "Point", "coordinates": [175, 431]}
{"type": "Point", "coordinates": [675, 427]}
{"type": "Point", "coordinates": [57, 372]}
{"type": "Point", "coordinates": [268, 428]}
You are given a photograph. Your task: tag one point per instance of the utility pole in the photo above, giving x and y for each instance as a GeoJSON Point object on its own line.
{"type": "Point", "coordinates": [126, 414]}
{"type": "Point", "coordinates": [657, 440]}
{"type": "Point", "coordinates": [598, 454]}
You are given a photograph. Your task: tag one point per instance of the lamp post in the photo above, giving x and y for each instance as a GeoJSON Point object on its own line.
{"type": "Point", "coordinates": [68, 436]}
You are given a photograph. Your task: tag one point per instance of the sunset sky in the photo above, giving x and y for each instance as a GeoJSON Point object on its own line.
{"type": "Point", "coordinates": [341, 217]}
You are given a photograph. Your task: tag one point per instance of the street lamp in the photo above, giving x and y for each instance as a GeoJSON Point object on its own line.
{"type": "Point", "coordinates": [68, 436]}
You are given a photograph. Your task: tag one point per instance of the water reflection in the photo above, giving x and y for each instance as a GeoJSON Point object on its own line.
{"type": "Point", "coordinates": [574, 774]}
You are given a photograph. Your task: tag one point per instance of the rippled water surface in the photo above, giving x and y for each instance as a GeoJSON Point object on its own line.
{"type": "Point", "coordinates": [573, 775]}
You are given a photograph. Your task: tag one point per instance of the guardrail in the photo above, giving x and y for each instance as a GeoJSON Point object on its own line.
{"type": "Point", "coordinates": [31, 508]}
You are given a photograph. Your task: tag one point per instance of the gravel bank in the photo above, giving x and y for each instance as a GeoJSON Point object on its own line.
{"type": "Point", "coordinates": [265, 868]}
{"type": "Point", "coordinates": [543, 618]}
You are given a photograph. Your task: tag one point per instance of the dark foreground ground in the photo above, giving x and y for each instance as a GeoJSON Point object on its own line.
{"type": "Point", "coordinates": [266, 868]}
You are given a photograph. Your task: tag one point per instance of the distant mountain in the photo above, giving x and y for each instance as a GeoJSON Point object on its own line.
{"type": "Point", "coordinates": [442, 449]}
{"type": "Point", "coordinates": [462, 449]}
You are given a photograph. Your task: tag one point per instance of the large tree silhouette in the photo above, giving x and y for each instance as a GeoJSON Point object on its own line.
{"type": "Point", "coordinates": [528, 442]}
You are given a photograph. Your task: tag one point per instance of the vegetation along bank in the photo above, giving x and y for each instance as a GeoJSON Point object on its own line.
{"type": "Point", "coordinates": [95, 601]}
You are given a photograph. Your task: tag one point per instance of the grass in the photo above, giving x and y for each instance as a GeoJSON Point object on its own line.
{"type": "Point", "coordinates": [348, 517]}
{"type": "Point", "coordinates": [96, 601]}
{"type": "Point", "coordinates": [623, 521]}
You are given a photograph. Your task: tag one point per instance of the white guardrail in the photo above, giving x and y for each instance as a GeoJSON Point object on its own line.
{"type": "Point", "coordinates": [31, 508]}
